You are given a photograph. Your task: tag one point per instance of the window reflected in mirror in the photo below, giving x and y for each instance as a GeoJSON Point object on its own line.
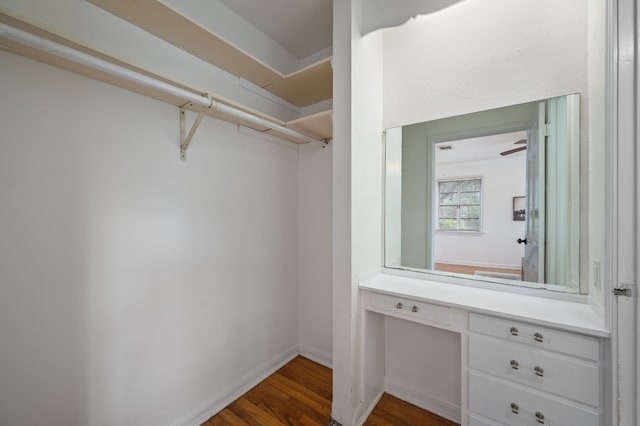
{"type": "Point", "coordinates": [490, 196]}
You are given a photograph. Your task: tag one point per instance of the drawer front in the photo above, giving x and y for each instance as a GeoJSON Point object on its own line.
{"type": "Point", "coordinates": [577, 380]}
{"type": "Point", "coordinates": [411, 308]}
{"type": "Point", "coordinates": [477, 421]}
{"type": "Point", "coordinates": [577, 345]}
{"type": "Point", "coordinates": [515, 406]}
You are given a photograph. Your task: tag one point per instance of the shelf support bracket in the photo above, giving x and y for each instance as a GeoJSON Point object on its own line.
{"type": "Point", "coordinates": [185, 139]}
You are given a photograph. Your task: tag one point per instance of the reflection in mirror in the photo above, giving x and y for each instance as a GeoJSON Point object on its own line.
{"type": "Point", "coordinates": [491, 196]}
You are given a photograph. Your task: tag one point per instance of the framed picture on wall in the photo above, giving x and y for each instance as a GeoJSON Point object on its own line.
{"type": "Point", "coordinates": [519, 209]}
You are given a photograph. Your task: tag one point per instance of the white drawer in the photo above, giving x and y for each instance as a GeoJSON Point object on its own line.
{"type": "Point", "coordinates": [477, 421]}
{"type": "Point", "coordinates": [578, 345]}
{"type": "Point", "coordinates": [410, 308]}
{"type": "Point", "coordinates": [540, 369]}
{"type": "Point", "coordinates": [513, 405]}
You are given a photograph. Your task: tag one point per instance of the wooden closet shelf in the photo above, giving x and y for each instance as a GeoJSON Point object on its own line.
{"type": "Point", "coordinates": [305, 125]}
{"type": "Point", "coordinates": [305, 87]}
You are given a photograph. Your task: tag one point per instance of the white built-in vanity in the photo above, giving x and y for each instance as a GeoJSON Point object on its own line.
{"type": "Point", "coordinates": [462, 257]}
{"type": "Point", "coordinates": [492, 232]}
{"type": "Point", "coordinates": [525, 360]}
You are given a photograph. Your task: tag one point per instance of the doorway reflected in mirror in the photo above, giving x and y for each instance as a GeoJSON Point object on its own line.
{"type": "Point", "coordinates": [475, 233]}
{"type": "Point", "coordinates": [453, 202]}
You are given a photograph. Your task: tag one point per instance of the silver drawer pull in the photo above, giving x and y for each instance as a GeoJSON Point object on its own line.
{"type": "Point", "coordinates": [514, 331]}
{"type": "Point", "coordinates": [537, 337]}
{"type": "Point", "coordinates": [515, 364]}
{"type": "Point", "coordinates": [515, 409]}
{"type": "Point", "coordinates": [399, 305]}
{"type": "Point", "coordinates": [539, 371]}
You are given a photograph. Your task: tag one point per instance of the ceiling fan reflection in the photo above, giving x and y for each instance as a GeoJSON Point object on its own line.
{"type": "Point", "coordinates": [518, 149]}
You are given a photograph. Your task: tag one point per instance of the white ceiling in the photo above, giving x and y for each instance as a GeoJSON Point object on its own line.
{"type": "Point", "coordinates": [482, 148]}
{"type": "Point", "coordinates": [303, 27]}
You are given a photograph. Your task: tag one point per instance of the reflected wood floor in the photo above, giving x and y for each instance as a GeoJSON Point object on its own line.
{"type": "Point", "coordinates": [300, 394]}
{"type": "Point", "coordinates": [470, 269]}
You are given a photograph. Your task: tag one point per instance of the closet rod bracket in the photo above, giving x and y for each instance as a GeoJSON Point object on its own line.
{"type": "Point", "coordinates": [185, 138]}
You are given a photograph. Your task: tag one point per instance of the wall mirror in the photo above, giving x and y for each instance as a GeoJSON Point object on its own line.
{"type": "Point", "coordinates": [489, 196]}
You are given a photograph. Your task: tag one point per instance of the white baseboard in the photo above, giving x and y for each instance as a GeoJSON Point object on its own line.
{"type": "Point", "coordinates": [248, 381]}
{"type": "Point", "coordinates": [316, 355]}
{"type": "Point", "coordinates": [447, 409]}
{"type": "Point", "coordinates": [368, 410]}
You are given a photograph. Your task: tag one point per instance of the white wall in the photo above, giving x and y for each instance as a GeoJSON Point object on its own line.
{"type": "Point", "coordinates": [478, 55]}
{"type": "Point", "coordinates": [134, 288]}
{"type": "Point", "coordinates": [502, 179]}
{"type": "Point", "coordinates": [314, 256]}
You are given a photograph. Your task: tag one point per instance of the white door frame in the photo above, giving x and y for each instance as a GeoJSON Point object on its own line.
{"type": "Point", "coordinates": [623, 207]}
{"type": "Point", "coordinates": [533, 262]}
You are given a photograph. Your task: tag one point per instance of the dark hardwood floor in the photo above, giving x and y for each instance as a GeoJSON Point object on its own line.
{"type": "Point", "coordinates": [297, 394]}
{"type": "Point", "coordinates": [300, 394]}
{"type": "Point", "coordinates": [393, 411]}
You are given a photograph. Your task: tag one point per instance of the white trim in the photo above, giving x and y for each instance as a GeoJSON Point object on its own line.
{"type": "Point", "coordinates": [447, 409]}
{"type": "Point", "coordinates": [610, 235]}
{"type": "Point", "coordinates": [316, 355]}
{"type": "Point", "coordinates": [368, 410]}
{"type": "Point", "coordinates": [622, 208]}
{"type": "Point", "coordinates": [218, 402]}
{"type": "Point", "coordinates": [636, 326]}
{"type": "Point", "coordinates": [358, 414]}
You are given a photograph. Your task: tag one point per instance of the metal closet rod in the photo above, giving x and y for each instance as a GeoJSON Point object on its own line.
{"type": "Point", "coordinates": [68, 53]}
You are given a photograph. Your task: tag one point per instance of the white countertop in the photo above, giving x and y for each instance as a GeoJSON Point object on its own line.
{"type": "Point", "coordinates": [566, 315]}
